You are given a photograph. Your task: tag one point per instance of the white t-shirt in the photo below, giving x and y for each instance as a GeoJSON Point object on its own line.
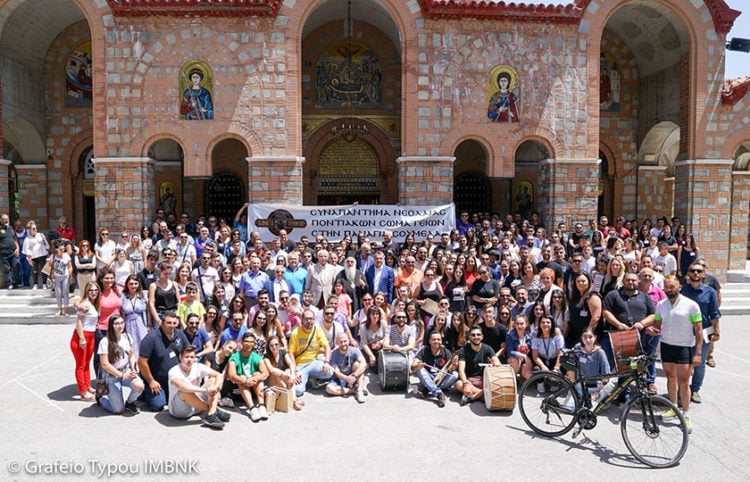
{"type": "Point", "coordinates": [126, 347]}
{"type": "Point", "coordinates": [198, 371]}
{"type": "Point", "coordinates": [90, 318]}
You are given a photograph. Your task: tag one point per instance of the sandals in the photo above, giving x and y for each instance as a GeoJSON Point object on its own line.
{"type": "Point", "coordinates": [88, 397]}
{"type": "Point", "coordinates": [710, 361]}
{"type": "Point", "coordinates": [298, 404]}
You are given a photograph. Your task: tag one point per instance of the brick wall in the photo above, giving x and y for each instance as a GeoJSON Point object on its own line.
{"type": "Point", "coordinates": [4, 194]}
{"type": "Point", "coordinates": [569, 190]}
{"type": "Point", "coordinates": [33, 189]}
{"type": "Point", "coordinates": [125, 192]}
{"type": "Point", "coordinates": [738, 234]}
{"type": "Point", "coordinates": [425, 181]}
{"type": "Point", "coordinates": [275, 180]}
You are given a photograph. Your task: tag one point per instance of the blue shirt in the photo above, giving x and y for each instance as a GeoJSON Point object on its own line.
{"type": "Point", "coordinates": [199, 340]}
{"type": "Point", "coordinates": [251, 283]}
{"type": "Point", "coordinates": [296, 279]}
{"type": "Point", "coordinates": [230, 334]}
{"type": "Point", "coordinates": [706, 298]}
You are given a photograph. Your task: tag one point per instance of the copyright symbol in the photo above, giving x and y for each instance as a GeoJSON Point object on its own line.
{"type": "Point", "coordinates": [14, 467]}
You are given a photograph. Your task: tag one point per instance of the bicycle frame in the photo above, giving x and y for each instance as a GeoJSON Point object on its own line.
{"type": "Point", "coordinates": [626, 377]}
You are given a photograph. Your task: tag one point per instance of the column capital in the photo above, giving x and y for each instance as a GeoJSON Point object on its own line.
{"type": "Point", "coordinates": [5, 162]}
{"type": "Point", "coordinates": [30, 167]}
{"type": "Point", "coordinates": [299, 159]}
{"type": "Point", "coordinates": [401, 159]}
{"type": "Point", "coordinates": [572, 161]}
{"type": "Point", "coordinates": [740, 173]}
{"type": "Point", "coordinates": [704, 162]}
{"type": "Point", "coordinates": [121, 160]}
{"type": "Point", "coordinates": [652, 168]}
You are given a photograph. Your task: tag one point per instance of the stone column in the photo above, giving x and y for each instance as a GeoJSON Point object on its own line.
{"type": "Point", "coordinates": [738, 231]}
{"type": "Point", "coordinates": [4, 180]}
{"type": "Point", "coordinates": [34, 193]}
{"type": "Point", "coordinates": [651, 199]}
{"type": "Point", "coordinates": [425, 180]}
{"type": "Point", "coordinates": [275, 179]}
{"type": "Point", "coordinates": [125, 192]}
{"type": "Point", "coordinates": [703, 195]}
{"type": "Point", "coordinates": [568, 190]}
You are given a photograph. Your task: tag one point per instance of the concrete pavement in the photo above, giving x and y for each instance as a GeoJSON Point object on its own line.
{"type": "Point", "coordinates": [45, 428]}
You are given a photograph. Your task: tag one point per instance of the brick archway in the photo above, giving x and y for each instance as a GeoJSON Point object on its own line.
{"type": "Point", "coordinates": [375, 139]}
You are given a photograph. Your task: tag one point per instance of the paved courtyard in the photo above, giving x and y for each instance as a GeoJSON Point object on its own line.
{"type": "Point", "coordinates": [46, 431]}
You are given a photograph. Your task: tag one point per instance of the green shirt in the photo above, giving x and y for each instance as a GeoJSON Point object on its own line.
{"type": "Point", "coordinates": [246, 366]}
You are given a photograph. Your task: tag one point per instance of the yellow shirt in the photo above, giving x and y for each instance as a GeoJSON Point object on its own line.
{"type": "Point", "coordinates": [302, 351]}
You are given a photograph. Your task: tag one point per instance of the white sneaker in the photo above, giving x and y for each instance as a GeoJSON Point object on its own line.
{"type": "Point", "coordinates": [359, 396]}
{"type": "Point", "coordinates": [254, 414]}
{"type": "Point", "coordinates": [263, 412]}
{"type": "Point", "coordinates": [34, 288]}
{"type": "Point", "coordinates": [226, 402]}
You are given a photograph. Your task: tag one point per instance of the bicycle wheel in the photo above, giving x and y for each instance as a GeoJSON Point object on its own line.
{"type": "Point", "coordinates": [549, 410]}
{"type": "Point", "coordinates": [653, 440]}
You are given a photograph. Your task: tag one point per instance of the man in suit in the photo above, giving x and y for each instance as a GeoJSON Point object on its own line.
{"type": "Point", "coordinates": [320, 278]}
{"type": "Point", "coordinates": [380, 277]}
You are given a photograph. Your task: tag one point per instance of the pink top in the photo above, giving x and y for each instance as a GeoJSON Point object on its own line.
{"type": "Point", "coordinates": [110, 304]}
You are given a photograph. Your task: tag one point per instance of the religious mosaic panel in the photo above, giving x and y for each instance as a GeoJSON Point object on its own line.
{"type": "Point", "coordinates": [610, 84]}
{"type": "Point", "coordinates": [78, 77]}
{"type": "Point", "coordinates": [503, 90]}
{"type": "Point", "coordinates": [348, 74]}
{"type": "Point", "coordinates": [196, 87]}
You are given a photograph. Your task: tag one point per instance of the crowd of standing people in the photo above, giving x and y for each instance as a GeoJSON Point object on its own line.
{"type": "Point", "coordinates": [195, 316]}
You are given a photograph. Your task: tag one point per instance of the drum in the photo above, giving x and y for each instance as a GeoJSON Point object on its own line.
{"type": "Point", "coordinates": [625, 344]}
{"type": "Point", "coordinates": [499, 388]}
{"type": "Point", "coordinates": [393, 368]}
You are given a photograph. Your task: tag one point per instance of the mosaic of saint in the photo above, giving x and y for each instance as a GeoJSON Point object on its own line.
{"type": "Point", "coordinates": [347, 74]}
{"type": "Point", "coordinates": [196, 85]}
{"type": "Point", "coordinates": [503, 91]}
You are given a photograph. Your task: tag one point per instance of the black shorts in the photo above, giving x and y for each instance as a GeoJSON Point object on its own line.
{"type": "Point", "coordinates": [682, 355]}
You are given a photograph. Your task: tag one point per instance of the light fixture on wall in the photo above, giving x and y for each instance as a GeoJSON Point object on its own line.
{"type": "Point", "coordinates": [739, 45]}
{"type": "Point", "coordinates": [349, 128]}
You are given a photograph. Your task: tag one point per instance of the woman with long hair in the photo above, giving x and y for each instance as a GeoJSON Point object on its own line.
{"type": "Point", "coordinates": [162, 294]}
{"type": "Point", "coordinates": [535, 315]}
{"type": "Point", "coordinates": [530, 280]}
{"type": "Point", "coordinates": [220, 300]}
{"type": "Point", "coordinates": [547, 345]}
{"type": "Point", "coordinates": [597, 243]}
{"type": "Point", "coordinates": [135, 310]}
{"type": "Point", "coordinates": [118, 362]}
{"type": "Point", "coordinates": [615, 273]}
{"type": "Point", "coordinates": [82, 342]}
{"type": "Point", "coordinates": [36, 249]}
{"type": "Point", "coordinates": [62, 276]}
{"type": "Point", "coordinates": [428, 289]}
{"type": "Point", "coordinates": [282, 371]}
{"type": "Point", "coordinates": [110, 304]}
{"type": "Point", "coordinates": [104, 249]}
{"type": "Point", "coordinates": [687, 254]}
{"type": "Point", "coordinates": [440, 325]}
{"type": "Point", "coordinates": [558, 309]}
{"type": "Point", "coordinates": [147, 238]}
{"type": "Point", "coordinates": [213, 325]}
{"type": "Point", "coordinates": [471, 271]}
{"type": "Point", "coordinates": [181, 279]}
{"type": "Point", "coordinates": [122, 267]}
{"type": "Point", "coordinates": [274, 326]}
{"type": "Point", "coordinates": [457, 332]}
{"type": "Point", "coordinates": [585, 309]}
{"type": "Point", "coordinates": [85, 263]}
{"type": "Point", "coordinates": [518, 346]}
{"type": "Point", "coordinates": [371, 334]}
{"type": "Point", "coordinates": [136, 253]}
{"type": "Point", "coordinates": [236, 305]}
{"type": "Point", "coordinates": [457, 290]}
{"type": "Point", "coordinates": [227, 282]}
{"type": "Point", "coordinates": [514, 279]}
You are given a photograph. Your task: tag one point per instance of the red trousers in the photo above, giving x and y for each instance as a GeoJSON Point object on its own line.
{"type": "Point", "coordinates": [82, 355]}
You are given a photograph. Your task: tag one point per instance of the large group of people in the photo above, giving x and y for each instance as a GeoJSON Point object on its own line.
{"type": "Point", "coordinates": [198, 316]}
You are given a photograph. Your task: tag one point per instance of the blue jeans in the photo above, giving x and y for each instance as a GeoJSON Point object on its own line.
{"type": "Point", "coordinates": [312, 369]}
{"type": "Point", "coordinates": [10, 268]}
{"type": "Point", "coordinates": [156, 403]}
{"type": "Point", "coordinates": [426, 378]}
{"type": "Point", "coordinates": [113, 402]}
{"type": "Point", "coordinates": [607, 347]}
{"type": "Point", "coordinates": [699, 372]}
{"type": "Point", "coordinates": [650, 343]}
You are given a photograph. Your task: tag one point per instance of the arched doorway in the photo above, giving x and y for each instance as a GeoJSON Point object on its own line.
{"type": "Point", "coordinates": [351, 94]}
{"type": "Point", "coordinates": [525, 185]}
{"type": "Point", "coordinates": [85, 182]}
{"type": "Point", "coordinates": [168, 185]}
{"type": "Point", "coordinates": [348, 172]}
{"type": "Point", "coordinates": [472, 189]}
{"type": "Point", "coordinates": [225, 193]}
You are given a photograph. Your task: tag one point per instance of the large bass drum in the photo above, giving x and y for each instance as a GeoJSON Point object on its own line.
{"type": "Point", "coordinates": [625, 344]}
{"type": "Point", "coordinates": [499, 388]}
{"type": "Point", "coordinates": [393, 368]}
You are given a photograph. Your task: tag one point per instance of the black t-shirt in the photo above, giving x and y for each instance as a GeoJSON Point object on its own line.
{"type": "Point", "coordinates": [474, 358]}
{"type": "Point", "coordinates": [210, 357]}
{"type": "Point", "coordinates": [495, 336]}
{"type": "Point", "coordinates": [484, 289]}
{"type": "Point", "coordinates": [436, 361]}
{"type": "Point", "coordinates": [639, 306]}
{"type": "Point", "coordinates": [162, 353]}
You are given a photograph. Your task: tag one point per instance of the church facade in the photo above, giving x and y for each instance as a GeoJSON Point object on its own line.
{"type": "Point", "coordinates": [112, 109]}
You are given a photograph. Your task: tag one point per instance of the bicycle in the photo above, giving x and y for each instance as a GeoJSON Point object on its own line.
{"type": "Point", "coordinates": [553, 410]}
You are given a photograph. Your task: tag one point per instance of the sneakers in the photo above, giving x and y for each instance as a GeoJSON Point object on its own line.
{"type": "Point", "coordinates": [226, 402]}
{"type": "Point", "coordinates": [132, 407]}
{"type": "Point", "coordinates": [465, 400]}
{"type": "Point", "coordinates": [255, 414]}
{"type": "Point", "coordinates": [359, 396]}
{"type": "Point", "coordinates": [223, 416]}
{"type": "Point", "coordinates": [695, 397]}
{"type": "Point", "coordinates": [213, 421]}
{"type": "Point", "coordinates": [670, 414]}
{"type": "Point", "coordinates": [440, 399]}
{"type": "Point", "coordinates": [263, 412]}
{"type": "Point", "coordinates": [540, 387]}
{"type": "Point", "coordinates": [688, 424]}
{"type": "Point", "coordinates": [34, 288]}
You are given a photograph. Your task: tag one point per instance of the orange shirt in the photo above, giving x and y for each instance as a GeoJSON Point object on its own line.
{"type": "Point", "coordinates": [411, 280]}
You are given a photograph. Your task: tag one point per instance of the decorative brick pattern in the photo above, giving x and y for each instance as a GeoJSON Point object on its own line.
{"type": "Point", "coordinates": [275, 180]}
{"type": "Point", "coordinates": [125, 192]}
{"type": "Point", "coordinates": [738, 240]}
{"type": "Point", "coordinates": [424, 181]}
{"type": "Point", "coordinates": [4, 194]}
{"type": "Point", "coordinates": [569, 190]}
{"type": "Point", "coordinates": [703, 196]}
{"type": "Point", "coordinates": [655, 192]}
{"type": "Point", "coordinates": [34, 193]}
